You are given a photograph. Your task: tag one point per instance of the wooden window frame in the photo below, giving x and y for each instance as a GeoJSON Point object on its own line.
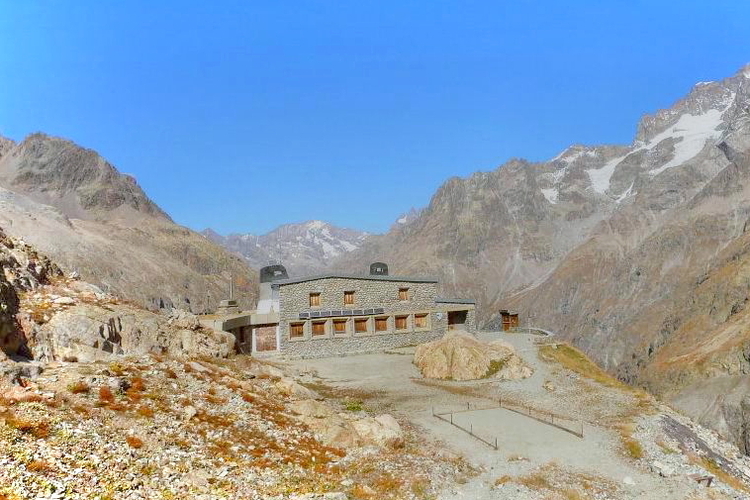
{"type": "Point", "coordinates": [318, 323]}
{"type": "Point", "coordinates": [345, 322]}
{"type": "Point", "coordinates": [426, 317]}
{"type": "Point", "coordinates": [359, 321]}
{"type": "Point", "coordinates": [292, 335]}
{"type": "Point", "coordinates": [380, 319]}
{"type": "Point", "coordinates": [314, 299]}
{"type": "Point", "coordinates": [403, 294]}
{"type": "Point", "coordinates": [405, 319]}
{"type": "Point", "coordinates": [350, 298]}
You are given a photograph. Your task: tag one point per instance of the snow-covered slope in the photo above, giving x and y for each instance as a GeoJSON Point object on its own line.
{"type": "Point", "coordinates": [304, 248]}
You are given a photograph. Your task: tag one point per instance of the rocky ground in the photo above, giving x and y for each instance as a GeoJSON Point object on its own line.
{"type": "Point", "coordinates": [157, 427]}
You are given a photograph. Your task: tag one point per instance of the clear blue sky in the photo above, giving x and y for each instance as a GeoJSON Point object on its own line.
{"type": "Point", "coordinates": [245, 115]}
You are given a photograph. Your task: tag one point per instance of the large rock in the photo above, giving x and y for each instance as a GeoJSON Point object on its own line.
{"type": "Point", "coordinates": [383, 431]}
{"type": "Point", "coordinates": [460, 356]}
{"type": "Point", "coordinates": [89, 333]}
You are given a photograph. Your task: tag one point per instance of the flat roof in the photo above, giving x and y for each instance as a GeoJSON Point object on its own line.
{"type": "Point", "coordinates": [441, 300]}
{"type": "Point", "coordinates": [408, 279]}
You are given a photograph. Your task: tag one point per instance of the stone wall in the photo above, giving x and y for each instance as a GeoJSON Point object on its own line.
{"type": "Point", "coordinates": [360, 344]}
{"type": "Point", "coordinates": [295, 298]}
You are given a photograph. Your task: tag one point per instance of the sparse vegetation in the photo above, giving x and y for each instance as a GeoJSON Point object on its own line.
{"type": "Point", "coordinates": [79, 387]}
{"type": "Point", "coordinates": [134, 442]}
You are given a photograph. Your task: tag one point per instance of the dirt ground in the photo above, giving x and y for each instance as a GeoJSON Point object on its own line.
{"type": "Point", "coordinates": [389, 382]}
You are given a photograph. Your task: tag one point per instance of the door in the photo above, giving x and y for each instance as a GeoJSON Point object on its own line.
{"type": "Point", "coordinates": [265, 338]}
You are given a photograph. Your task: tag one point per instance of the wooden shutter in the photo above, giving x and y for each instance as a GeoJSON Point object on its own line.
{"type": "Point", "coordinates": [348, 298]}
{"type": "Point", "coordinates": [381, 324]}
{"type": "Point", "coordinates": [319, 328]}
{"type": "Point", "coordinates": [360, 325]}
{"type": "Point", "coordinates": [296, 330]}
{"type": "Point", "coordinates": [339, 326]}
{"type": "Point", "coordinates": [420, 321]}
{"type": "Point", "coordinates": [401, 322]}
{"type": "Point", "coordinates": [403, 294]}
{"type": "Point", "coordinates": [314, 299]}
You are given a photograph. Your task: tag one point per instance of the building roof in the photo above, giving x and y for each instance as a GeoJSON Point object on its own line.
{"type": "Point", "coordinates": [441, 300]}
{"type": "Point", "coordinates": [408, 279]}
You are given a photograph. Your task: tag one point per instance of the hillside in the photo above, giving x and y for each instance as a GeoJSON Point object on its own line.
{"type": "Point", "coordinates": [77, 208]}
{"type": "Point", "coordinates": [304, 248]}
{"type": "Point", "coordinates": [634, 253]}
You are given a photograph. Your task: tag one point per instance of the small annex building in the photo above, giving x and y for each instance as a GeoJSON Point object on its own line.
{"type": "Point", "coordinates": [335, 314]}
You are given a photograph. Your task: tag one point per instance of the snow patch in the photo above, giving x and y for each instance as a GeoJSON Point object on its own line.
{"type": "Point", "coordinates": [701, 84]}
{"type": "Point", "coordinates": [693, 131]}
{"type": "Point", "coordinates": [551, 194]}
{"type": "Point", "coordinates": [600, 177]}
{"type": "Point", "coordinates": [627, 193]}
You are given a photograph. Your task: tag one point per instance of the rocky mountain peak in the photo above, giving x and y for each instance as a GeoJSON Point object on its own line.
{"type": "Point", "coordinates": [76, 180]}
{"type": "Point", "coordinates": [304, 248]}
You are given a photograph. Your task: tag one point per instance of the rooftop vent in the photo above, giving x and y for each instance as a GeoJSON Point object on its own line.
{"type": "Point", "coordinates": [378, 269]}
{"type": "Point", "coordinates": [273, 273]}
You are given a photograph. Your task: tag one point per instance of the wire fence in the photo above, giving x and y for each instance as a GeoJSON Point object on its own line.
{"type": "Point", "coordinates": [571, 426]}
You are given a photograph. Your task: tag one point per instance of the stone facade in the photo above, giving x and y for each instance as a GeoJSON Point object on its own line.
{"type": "Point", "coordinates": [406, 313]}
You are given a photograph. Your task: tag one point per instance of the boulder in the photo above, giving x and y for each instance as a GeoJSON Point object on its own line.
{"type": "Point", "coordinates": [263, 370]}
{"type": "Point", "coordinates": [333, 431]}
{"type": "Point", "coordinates": [383, 431]}
{"type": "Point", "coordinates": [460, 356]}
{"type": "Point", "coordinates": [290, 387]}
{"type": "Point", "coordinates": [311, 408]}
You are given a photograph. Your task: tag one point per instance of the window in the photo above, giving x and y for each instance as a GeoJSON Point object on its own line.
{"type": "Point", "coordinates": [296, 330]}
{"type": "Point", "coordinates": [403, 294]}
{"type": "Point", "coordinates": [314, 299]}
{"type": "Point", "coordinates": [348, 298]}
{"type": "Point", "coordinates": [401, 322]}
{"type": "Point", "coordinates": [420, 321]}
{"type": "Point", "coordinates": [339, 326]}
{"type": "Point", "coordinates": [360, 325]}
{"type": "Point", "coordinates": [318, 328]}
{"type": "Point", "coordinates": [381, 324]}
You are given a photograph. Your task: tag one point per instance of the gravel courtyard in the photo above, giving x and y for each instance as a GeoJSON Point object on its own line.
{"type": "Point", "coordinates": [526, 447]}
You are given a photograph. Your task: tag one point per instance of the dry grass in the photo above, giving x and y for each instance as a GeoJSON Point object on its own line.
{"type": "Point", "coordinates": [576, 361]}
{"type": "Point", "coordinates": [503, 480]}
{"type": "Point", "coordinates": [631, 445]}
{"type": "Point", "coordinates": [106, 396]}
{"type": "Point", "coordinates": [145, 411]}
{"type": "Point", "coordinates": [37, 428]}
{"type": "Point", "coordinates": [713, 468]}
{"type": "Point", "coordinates": [39, 466]}
{"type": "Point", "coordinates": [134, 442]}
{"type": "Point", "coordinates": [79, 387]}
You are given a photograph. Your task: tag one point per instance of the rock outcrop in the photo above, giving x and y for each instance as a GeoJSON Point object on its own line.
{"type": "Point", "coordinates": [47, 316]}
{"type": "Point", "coordinates": [460, 356]}
{"type": "Point", "coordinates": [341, 430]}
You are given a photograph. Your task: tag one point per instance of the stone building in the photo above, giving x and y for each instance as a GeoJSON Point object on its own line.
{"type": "Point", "coordinates": [335, 314]}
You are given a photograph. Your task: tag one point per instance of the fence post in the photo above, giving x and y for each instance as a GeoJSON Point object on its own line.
{"type": "Point", "coordinates": [468, 405]}
{"type": "Point", "coordinates": [495, 443]}
{"type": "Point", "coordinates": [471, 429]}
{"type": "Point", "coordinates": [451, 418]}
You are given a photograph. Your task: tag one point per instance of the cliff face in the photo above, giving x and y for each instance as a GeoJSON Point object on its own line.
{"type": "Point", "coordinates": [74, 206]}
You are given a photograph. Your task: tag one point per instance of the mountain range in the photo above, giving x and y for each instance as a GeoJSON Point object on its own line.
{"type": "Point", "coordinates": [639, 254]}
{"type": "Point", "coordinates": [304, 248]}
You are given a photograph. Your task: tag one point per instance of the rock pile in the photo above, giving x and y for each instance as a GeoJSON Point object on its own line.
{"type": "Point", "coordinates": [460, 356]}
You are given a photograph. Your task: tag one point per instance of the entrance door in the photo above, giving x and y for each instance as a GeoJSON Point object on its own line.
{"type": "Point", "coordinates": [265, 338]}
{"type": "Point", "coordinates": [456, 319]}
